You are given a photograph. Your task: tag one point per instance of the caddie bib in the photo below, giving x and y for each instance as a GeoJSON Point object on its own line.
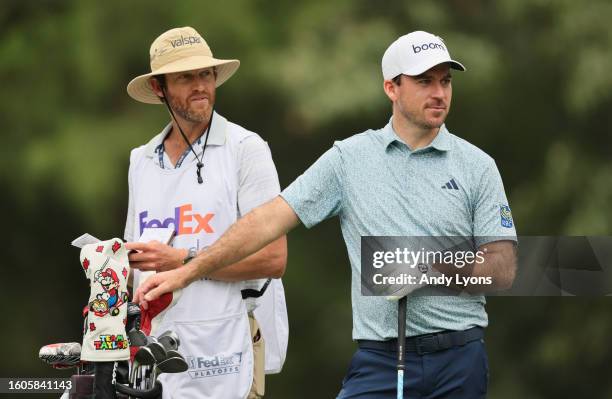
{"type": "Point", "coordinates": [210, 316]}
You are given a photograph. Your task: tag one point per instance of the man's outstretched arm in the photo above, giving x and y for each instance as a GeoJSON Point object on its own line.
{"type": "Point", "coordinates": [249, 234]}
{"type": "Point", "coordinates": [268, 262]}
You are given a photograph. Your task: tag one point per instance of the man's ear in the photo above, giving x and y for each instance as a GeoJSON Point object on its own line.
{"type": "Point", "coordinates": [156, 86]}
{"type": "Point", "coordinates": [390, 89]}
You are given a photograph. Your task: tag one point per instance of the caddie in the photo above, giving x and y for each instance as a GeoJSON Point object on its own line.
{"type": "Point", "coordinates": [199, 175]}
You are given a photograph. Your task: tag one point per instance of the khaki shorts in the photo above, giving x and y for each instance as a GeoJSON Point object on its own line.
{"type": "Point", "coordinates": [259, 372]}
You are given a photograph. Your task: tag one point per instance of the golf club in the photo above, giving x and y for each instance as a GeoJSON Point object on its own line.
{"type": "Point", "coordinates": [169, 366]}
{"type": "Point", "coordinates": [169, 340]}
{"type": "Point", "coordinates": [137, 337]}
{"type": "Point", "coordinates": [173, 353]}
{"type": "Point", "coordinates": [401, 343]}
{"type": "Point", "coordinates": [172, 365]}
{"type": "Point", "coordinates": [143, 356]}
{"type": "Point", "coordinates": [156, 348]}
{"type": "Point", "coordinates": [158, 352]}
{"type": "Point", "coordinates": [139, 377]}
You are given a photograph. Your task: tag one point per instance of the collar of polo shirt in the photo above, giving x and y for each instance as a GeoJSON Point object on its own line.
{"type": "Point", "coordinates": [441, 142]}
{"type": "Point", "coordinates": [217, 135]}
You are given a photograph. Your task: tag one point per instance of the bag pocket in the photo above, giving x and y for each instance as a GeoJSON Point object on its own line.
{"type": "Point", "coordinates": [219, 354]}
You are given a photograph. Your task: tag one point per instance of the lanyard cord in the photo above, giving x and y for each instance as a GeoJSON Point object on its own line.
{"type": "Point", "coordinates": [199, 164]}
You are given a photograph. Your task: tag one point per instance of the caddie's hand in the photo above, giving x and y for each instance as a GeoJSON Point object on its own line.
{"type": "Point", "coordinates": [155, 256]}
{"type": "Point", "coordinates": [159, 284]}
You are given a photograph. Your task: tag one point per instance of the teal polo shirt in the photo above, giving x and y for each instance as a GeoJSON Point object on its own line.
{"type": "Point", "coordinates": [378, 186]}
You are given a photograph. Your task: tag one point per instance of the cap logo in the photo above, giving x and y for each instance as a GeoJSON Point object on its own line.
{"type": "Point", "coordinates": [184, 41]}
{"type": "Point", "coordinates": [428, 46]}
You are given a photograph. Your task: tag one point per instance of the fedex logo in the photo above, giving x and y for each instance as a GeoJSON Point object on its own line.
{"type": "Point", "coordinates": [184, 221]}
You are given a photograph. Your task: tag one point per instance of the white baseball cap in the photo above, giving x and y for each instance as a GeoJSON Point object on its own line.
{"type": "Point", "coordinates": [415, 53]}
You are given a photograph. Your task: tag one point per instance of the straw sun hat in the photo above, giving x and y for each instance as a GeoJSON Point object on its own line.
{"type": "Point", "coordinates": [178, 50]}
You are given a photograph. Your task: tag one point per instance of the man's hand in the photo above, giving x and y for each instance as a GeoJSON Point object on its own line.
{"type": "Point", "coordinates": [161, 283]}
{"type": "Point", "coordinates": [500, 263]}
{"type": "Point", "coordinates": [155, 256]}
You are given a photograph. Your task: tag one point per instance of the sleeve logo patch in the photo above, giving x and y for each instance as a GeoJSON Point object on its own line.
{"type": "Point", "coordinates": [506, 216]}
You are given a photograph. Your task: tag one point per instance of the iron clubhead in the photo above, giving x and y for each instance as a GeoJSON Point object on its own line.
{"type": "Point", "coordinates": [170, 340]}
{"type": "Point", "coordinates": [172, 365]}
{"type": "Point", "coordinates": [137, 338]}
{"type": "Point", "coordinates": [158, 351]}
{"type": "Point", "coordinates": [173, 353]}
{"type": "Point", "coordinates": [144, 356]}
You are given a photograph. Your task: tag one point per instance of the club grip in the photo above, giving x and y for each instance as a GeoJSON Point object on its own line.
{"type": "Point", "coordinates": [401, 332]}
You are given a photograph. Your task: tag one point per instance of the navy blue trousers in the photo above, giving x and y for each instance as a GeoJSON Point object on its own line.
{"type": "Point", "coordinates": [457, 373]}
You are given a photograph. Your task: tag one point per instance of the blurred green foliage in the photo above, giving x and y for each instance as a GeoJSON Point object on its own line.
{"type": "Point", "coordinates": [537, 97]}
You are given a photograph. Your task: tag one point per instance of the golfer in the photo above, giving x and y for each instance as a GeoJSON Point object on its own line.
{"type": "Point", "coordinates": [410, 178]}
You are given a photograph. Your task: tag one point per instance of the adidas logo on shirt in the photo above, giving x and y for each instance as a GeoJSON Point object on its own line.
{"type": "Point", "coordinates": [451, 185]}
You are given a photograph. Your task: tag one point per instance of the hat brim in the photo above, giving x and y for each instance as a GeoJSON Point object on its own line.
{"type": "Point", "coordinates": [457, 66]}
{"type": "Point", "coordinates": [422, 68]}
{"type": "Point", "coordinates": [140, 88]}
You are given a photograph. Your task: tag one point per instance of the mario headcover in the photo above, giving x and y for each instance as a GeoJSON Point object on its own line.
{"type": "Point", "coordinates": [107, 267]}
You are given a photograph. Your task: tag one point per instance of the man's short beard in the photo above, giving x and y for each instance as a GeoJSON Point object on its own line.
{"type": "Point", "coordinates": [185, 113]}
{"type": "Point", "coordinates": [423, 124]}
